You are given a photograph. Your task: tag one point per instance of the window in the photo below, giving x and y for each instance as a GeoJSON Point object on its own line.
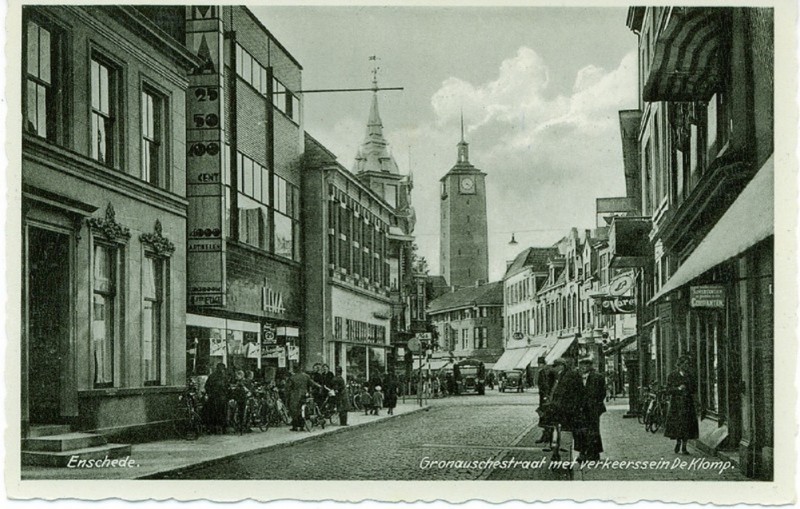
{"type": "Point", "coordinates": [251, 71]}
{"type": "Point", "coordinates": [40, 72]}
{"type": "Point", "coordinates": [103, 314]}
{"type": "Point", "coordinates": [253, 186]}
{"type": "Point", "coordinates": [152, 134]}
{"type": "Point", "coordinates": [285, 101]}
{"type": "Point", "coordinates": [152, 318]}
{"type": "Point", "coordinates": [102, 124]}
{"type": "Point", "coordinates": [390, 194]}
{"type": "Point", "coordinates": [286, 216]}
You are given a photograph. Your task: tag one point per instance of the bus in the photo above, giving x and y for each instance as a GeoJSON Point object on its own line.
{"type": "Point", "coordinates": [470, 376]}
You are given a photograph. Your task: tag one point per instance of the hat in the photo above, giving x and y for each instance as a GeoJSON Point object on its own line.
{"type": "Point", "coordinates": [377, 387]}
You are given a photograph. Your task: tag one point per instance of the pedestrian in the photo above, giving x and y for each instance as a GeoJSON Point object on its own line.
{"type": "Point", "coordinates": [567, 398]}
{"type": "Point", "coordinates": [298, 386]}
{"type": "Point", "coordinates": [682, 416]}
{"type": "Point", "coordinates": [377, 400]}
{"type": "Point", "coordinates": [327, 376]}
{"type": "Point", "coordinates": [588, 440]}
{"type": "Point", "coordinates": [366, 400]}
{"type": "Point", "coordinates": [392, 386]}
{"type": "Point", "coordinates": [545, 379]}
{"type": "Point", "coordinates": [342, 401]}
{"type": "Point", "coordinates": [217, 390]}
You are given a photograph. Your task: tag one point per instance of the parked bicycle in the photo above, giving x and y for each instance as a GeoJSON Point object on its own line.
{"type": "Point", "coordinates": [188, 424]}
{"type": "Point", "coordinates": [655, 406]}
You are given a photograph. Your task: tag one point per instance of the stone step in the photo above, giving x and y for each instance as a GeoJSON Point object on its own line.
{"type": "Point", "coordinates": [63, 458]}
{"type": "Point", "coordinates": [64, 442]}
{"type": "Point", "coordinates": [45, 430]}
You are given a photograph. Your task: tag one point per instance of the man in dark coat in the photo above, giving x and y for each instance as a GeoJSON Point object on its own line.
{"type": "Point", "coordinates": [342, 401]}
{"type": "Point", "coordinates": [298, 385]}
{"type": "Point", "coordinates": [588, 440]}
{"type": "Point", "coordinates": [567, 396]}
{"type": "Point", "coordinates": [391, 390]}
{"type": "Point", "coordinates": [545, 380]}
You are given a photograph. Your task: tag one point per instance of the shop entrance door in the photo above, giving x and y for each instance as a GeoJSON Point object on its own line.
{"type": "Point", "coordinates": [48, 322]}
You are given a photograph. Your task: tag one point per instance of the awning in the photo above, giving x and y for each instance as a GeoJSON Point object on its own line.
{"type": "Point", "coordinates": [621, 344]}
{"type": "Point", "coordinates": [559, 349]}
{"type": "Point", "coordinates": [437, 364]}
{"type": "Point", "coordinates": [531, 356]}
{"type": "Point", "coordinates": [509, 359]}
{"type": "Point", "coordinates": [747, 221]}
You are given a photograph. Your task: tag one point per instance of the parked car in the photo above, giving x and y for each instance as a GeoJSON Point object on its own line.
{"type": "Point", "coordinates": [511, 381]}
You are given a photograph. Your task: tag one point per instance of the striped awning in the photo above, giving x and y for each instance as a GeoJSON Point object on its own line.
{"type": "Point", "coordinates": [509, 359]}
{"type": "Point", "coordinates": [531, 356]}
{"type": "Point", "coordinates": [686, 60]}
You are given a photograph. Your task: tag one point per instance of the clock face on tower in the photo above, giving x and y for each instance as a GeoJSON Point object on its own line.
{"type": "Point", "coordinates": [467, 185]}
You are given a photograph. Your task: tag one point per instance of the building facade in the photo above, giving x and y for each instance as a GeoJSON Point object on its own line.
{"type": "Point", "coordinates": [703, 248]}
{"type": "Point", "coordinates": [464, 244]}
{"type": "Point", "coordinates": [245, 145]}
{"type": "Point", "coordinates": [469, 322]}
{"type": "Point", "coordinates": [104, 215]}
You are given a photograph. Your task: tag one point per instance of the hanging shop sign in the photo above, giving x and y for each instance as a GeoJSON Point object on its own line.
{"type": "Point", "coordinates": [205, 139]}
{"type": "Point", "coordinates": [707, 296]}
{"type": "Point", "coordinates": [621, 285]}
{"type": "Point", "coordinates": [617, 305]}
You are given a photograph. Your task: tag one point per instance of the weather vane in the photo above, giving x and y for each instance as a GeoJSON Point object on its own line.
{"type": "Point", "coordinates": [375, 69]}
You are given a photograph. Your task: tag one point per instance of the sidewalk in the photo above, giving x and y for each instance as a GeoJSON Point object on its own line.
{"type": "Point", "coordinates": [155, 458]}
{"type": "Point", "coordinates": [639, 456]}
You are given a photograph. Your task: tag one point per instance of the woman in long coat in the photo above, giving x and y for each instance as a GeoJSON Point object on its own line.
{"type": "Point", "coordinates": [682, 417]}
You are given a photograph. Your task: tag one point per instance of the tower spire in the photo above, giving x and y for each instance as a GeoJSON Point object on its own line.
{"type": "Point", "coordinates": [374, 155]}
{"type": "Point", "coordinates": [463, 146]}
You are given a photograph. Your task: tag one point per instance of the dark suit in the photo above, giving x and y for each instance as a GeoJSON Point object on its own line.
{"type": "Point", "coordinates": [588, 440]}
{"type": "Point", "coordinates": [545, 379]}
{"type": "Point", "coordinates": [567, 400]}
{"type": "Point", "coordinates": [682, 416]}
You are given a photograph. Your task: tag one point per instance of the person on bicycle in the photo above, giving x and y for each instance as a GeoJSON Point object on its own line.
{"type": "Point", "coordinates": [682, 416]}
{"type": "Point", "coordinates": [588, 440]}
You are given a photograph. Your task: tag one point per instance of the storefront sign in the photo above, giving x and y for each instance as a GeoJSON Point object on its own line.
{"type": "Point", "coordinates": [707, 296]}
{"type": "Point", "coordinates": [205, 138]}
{"type": "Point", "coordinates": [617, 305]}
{"type": "Point", "coordinates": [282, 359]}
{"type": "Point", "coordinates": [272, 301]}
{"type": "Point", "coordinates": [271, 351]}
{"type": "Point", "coordinates": [267, 334]}
{"type": "Point", "coordinates": [293, 352]}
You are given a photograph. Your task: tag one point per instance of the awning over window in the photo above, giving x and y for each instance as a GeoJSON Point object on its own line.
{"type": "Point", "coordinates": [437, 364]}
{"type": "Point", "coordinates": [531, 356]}
{"type": "Point", "coordinates": [509, 359]}
{"type": "Point", "coordinates": [749, 220]}
{"type": "Point", "coordinates": [559, 349]}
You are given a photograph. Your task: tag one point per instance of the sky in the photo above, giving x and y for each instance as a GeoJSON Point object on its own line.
{"type": "Point", "coordinates": [540, 89]}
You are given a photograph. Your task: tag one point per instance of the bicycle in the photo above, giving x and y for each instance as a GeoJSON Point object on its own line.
{"type": "Point", "coordinates": [239, 409]}
{"type": "Point", "coordinates": [328, 408]}
{"type": "Point", "coordinates": [656, 414]}
{"type": "Point", "coordinates": [311, 415]}
{"type": "Point", "coordinates": [189, 424]}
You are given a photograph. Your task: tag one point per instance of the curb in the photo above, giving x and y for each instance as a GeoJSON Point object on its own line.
{"type": "Point", "coordinates": [258, 450]}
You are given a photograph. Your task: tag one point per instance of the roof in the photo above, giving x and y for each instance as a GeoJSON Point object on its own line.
{"type": "Point", "coordinates": [534, 257]}
{"type": "Point", "coordinates": [487, 295]}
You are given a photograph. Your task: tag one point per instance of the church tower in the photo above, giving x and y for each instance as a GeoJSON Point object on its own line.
{"type": "Point", "coordinates": [464, 249]}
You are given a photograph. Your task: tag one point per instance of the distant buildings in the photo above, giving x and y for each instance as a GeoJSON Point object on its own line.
{"type": "Point", "coordinates": [469, 322]}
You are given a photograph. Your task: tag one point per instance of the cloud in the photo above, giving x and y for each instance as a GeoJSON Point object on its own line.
{"type": "Point", "coordinates": [548, 154]}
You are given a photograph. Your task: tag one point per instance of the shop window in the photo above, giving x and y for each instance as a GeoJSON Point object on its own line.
{"type": "Point", "coordinates": [40, 99]}
{"type": "Point", "coordinates": [153, 160]}
{"type": "Point", "coordinates": [104, 131]}
{"type": "Point", "coordinates": [153, 271]}
{"type": "Point", "coordinates": [104, 314]}
{"type": "Point", "coordinates": [284, 236]}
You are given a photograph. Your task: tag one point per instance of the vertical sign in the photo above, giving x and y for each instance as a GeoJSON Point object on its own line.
{"type": "Point", "coordinates": [205, 139]}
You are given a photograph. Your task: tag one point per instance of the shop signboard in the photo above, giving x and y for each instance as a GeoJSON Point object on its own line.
{"type": "Point", "coordinates": [217, 344]}
{"type": "Point", "coordinates": [293, 352]}
{"type": "Point", "coordinates": [707, 296]}
{"type": "Point", "coordinates": [268, 334]}
{"type": "Point", "coordinates": [271, 351]}
{"type": "Point", "coordinates": [617, 305]}
{"type": "Point", "coordinates": [205, 161]}
{"type": "Point", "coordinates": [282, 359]}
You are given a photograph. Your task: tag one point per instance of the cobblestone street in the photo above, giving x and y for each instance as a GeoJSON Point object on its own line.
{"type": "Point", "coordinates": [471, 429]}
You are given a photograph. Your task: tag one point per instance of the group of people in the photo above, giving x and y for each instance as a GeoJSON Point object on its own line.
{"type": "Point", "coordinates": [573, 399]}
{"type": "Point", "coordinates": [322, 384]}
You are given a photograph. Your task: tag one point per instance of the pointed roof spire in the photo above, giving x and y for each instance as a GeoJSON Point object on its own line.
{"type": "Point", "coordinates": [374, 155]}
{"type": "Point", "coordinates": [463, 146]}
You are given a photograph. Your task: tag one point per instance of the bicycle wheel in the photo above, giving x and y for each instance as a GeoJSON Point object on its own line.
{"type": "Point", "coordinates": [195, 425]}
{"type": "Point", "coordinates": [283, 412]}
{"type": "Point", "coordinates": [641, 413]}
{"type": "Point", "coordinates": [658, 418]}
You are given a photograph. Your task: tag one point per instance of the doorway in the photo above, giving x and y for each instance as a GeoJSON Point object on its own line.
{"type": "Point", "coordinates": [48, 324]}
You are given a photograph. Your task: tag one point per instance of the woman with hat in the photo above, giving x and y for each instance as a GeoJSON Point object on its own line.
{"type": "Point", "coordinates": [682, 416]}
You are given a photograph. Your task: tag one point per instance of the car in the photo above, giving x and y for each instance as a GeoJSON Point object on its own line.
{"type": "Point", "coordinates": [511, 381]}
